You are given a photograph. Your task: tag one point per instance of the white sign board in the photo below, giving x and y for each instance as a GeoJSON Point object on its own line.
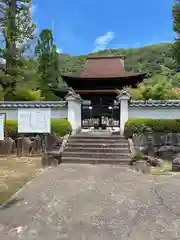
{"type": "Point", "coordinates": [33, 120]}
{"type": "Point", "coordinates": [2, 120]}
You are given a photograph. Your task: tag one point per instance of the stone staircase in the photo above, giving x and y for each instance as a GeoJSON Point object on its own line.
{"type": "Point", "coordinates": [96, 148]}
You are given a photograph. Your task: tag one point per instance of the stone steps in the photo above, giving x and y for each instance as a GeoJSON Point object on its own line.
{"type": "Point", "coordinates": [98, 140]}
{"type": "Point", "coordinates": [97, 137]}
{"type": "Point", "coordinates": [102, 149]}
{"type": "Point", "coordinates": [94, 161]}
{"type": "Point", "coordinates": [96, 148]}
{"type": "Point", "coordinates": [97, 145]}
{"type": "Point", "coordinates": [100, 155]}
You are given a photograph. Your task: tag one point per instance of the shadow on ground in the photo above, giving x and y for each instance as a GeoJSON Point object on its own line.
{"type": "Point", "coordinates": [10, 203]}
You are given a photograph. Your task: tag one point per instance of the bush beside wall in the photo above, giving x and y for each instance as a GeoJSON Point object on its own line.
{"type": "Point", "coordinates": [60, 127]}
{"type": "Point", "coordinates": [12, 128]}
{"type": "Point", "coordinates": [134, 125]}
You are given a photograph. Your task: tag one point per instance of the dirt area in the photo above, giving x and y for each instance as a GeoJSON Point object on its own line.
{"type": "Point", "coordinates": [15, 172]}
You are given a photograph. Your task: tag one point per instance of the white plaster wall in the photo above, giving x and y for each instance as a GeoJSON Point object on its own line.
{"type": "Point", "coordinates": [59, 113]}
{"type": "Point", "coordinates": [74, 114]}
{"type": "Point", "coordinates": [154, 112]}
{"type": "Point", "coordinates": [123, 114]}
{"type": "Point", "coordinates": [12, 114]}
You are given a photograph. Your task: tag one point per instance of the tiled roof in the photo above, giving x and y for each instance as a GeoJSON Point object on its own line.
{"type": "Point", "coordinates": [155, 103]}
{"type": "Point", "coordinates": [33, 104]}
{"type": "Point", "coordinates": [98, 91]}
{"type": "Point", "coordinates": [94, 75]}
{"type": "Point", "coordinates": [104, 67]}
{"type": "Point", "coordinates": [100, 67]}
{"type": "Point", "coordinates": [105, 56]}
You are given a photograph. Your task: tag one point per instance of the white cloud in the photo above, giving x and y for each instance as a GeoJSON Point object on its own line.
{"type": "Point", "coordinates": [59, 50]}
{"type": "Point", "coordinates": [102, 42]}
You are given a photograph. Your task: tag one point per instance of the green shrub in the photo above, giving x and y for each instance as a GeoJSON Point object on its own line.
{"type": "Point", "coordinates": [134, 125]}
{"type": "Point", "coordinates": [138, 156]}
{"type": "Point", "coordinates": [12, 128]}
{"type": "Point", "coordinates": [27, 95]}
{"type": "Point", "coordinates": [60, 127]}
{"type": "Point", "coordinates": [158, 87]}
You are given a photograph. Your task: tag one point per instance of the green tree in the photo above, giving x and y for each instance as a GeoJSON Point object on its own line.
{"type": "Point", "coordinates": [156, 88]}
{"type": "Point", "coordinates": [165, 71]}
{"type": "Point", "coordinates": [17, 29]}
{"type": "Point", "coordinates": [25, 94]}
{"type": "Point", "coordinates": [25, 26]}
{"type": "Point", "coordinates": [48, 61]}
{"type": "Point", "coordinates": [176, 27]}
{"type": "Point", "coordinates": [176, 80]}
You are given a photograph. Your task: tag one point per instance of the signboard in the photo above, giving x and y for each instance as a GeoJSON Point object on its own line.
{"type": "Point", "coordinates": [2, 121]}
{"type": "Point", "coordinates": [33, 120]}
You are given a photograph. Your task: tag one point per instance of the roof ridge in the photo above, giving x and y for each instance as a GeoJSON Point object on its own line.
{"type": "Point", "coordinates": [105, 56]}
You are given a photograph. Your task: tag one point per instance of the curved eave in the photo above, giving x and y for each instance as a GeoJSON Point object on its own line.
{"type": "Point", "coordinates": [60, 92]}
{"type": "Point", "coordinates": [80, 77]}
{"type": "Point", "coordinates": [115, 91]}
{"type": "Point", "coordinates": [63, 93]}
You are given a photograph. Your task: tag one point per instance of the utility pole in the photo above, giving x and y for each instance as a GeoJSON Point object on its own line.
{"type": "Point", "coordinates": [53, 24]}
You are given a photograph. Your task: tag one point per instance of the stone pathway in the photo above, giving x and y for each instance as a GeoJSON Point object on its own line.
{"type": "Point", "coordinates": [84, 202]}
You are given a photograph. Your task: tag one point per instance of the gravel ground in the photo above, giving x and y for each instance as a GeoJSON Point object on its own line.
{"type": "Point", "coordinates": [85, 202]}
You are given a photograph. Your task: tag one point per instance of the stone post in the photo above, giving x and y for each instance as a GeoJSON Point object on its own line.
{"type": "Point", "coordinates": [74, 110]}
{"type": "Point", "coordinates": [123, 99]}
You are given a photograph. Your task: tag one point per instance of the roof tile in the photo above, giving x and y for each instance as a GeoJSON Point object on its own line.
{"type": "Point", "coordinates": [155, 103]}
{"type": "Point", "coordinates": [104, 67]}
{"type": "Point", "coordinates": [43, 104]}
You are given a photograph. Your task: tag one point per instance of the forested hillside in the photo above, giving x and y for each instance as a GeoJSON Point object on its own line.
{"type": "Point", "coordinates": [31, 66]}
{"type": "Point", "coordinates": [151, 59]}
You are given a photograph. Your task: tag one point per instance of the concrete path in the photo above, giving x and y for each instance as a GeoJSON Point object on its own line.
{"type": "Point", "coordinates": [83, 202]}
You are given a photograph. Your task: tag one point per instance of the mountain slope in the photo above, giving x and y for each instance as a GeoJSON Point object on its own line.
{"type": "Point", "coordinates": [151, 59]}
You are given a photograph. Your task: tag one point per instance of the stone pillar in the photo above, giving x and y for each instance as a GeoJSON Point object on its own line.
{"type": "Point", "coordinates": [74, 110]}
{"type": "Point", "coordinates": [123, 99]}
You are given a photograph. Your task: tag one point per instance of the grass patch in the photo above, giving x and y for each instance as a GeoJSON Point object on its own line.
{"type": "Point", "coordinates": [165, 169]}
{"type": "Point", "coordinates": [15, 172]}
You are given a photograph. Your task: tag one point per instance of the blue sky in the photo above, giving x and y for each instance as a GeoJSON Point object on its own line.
{"type": "Point", "coordinates": [83, 26]}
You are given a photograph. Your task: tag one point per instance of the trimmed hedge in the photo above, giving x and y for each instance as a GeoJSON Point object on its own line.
{"type": "Point", "coordinates": [60, 127]}
{"type": "Point", "coordinates": [12, 128]}
{"type": "Point", "coordinates": [134, 125]}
